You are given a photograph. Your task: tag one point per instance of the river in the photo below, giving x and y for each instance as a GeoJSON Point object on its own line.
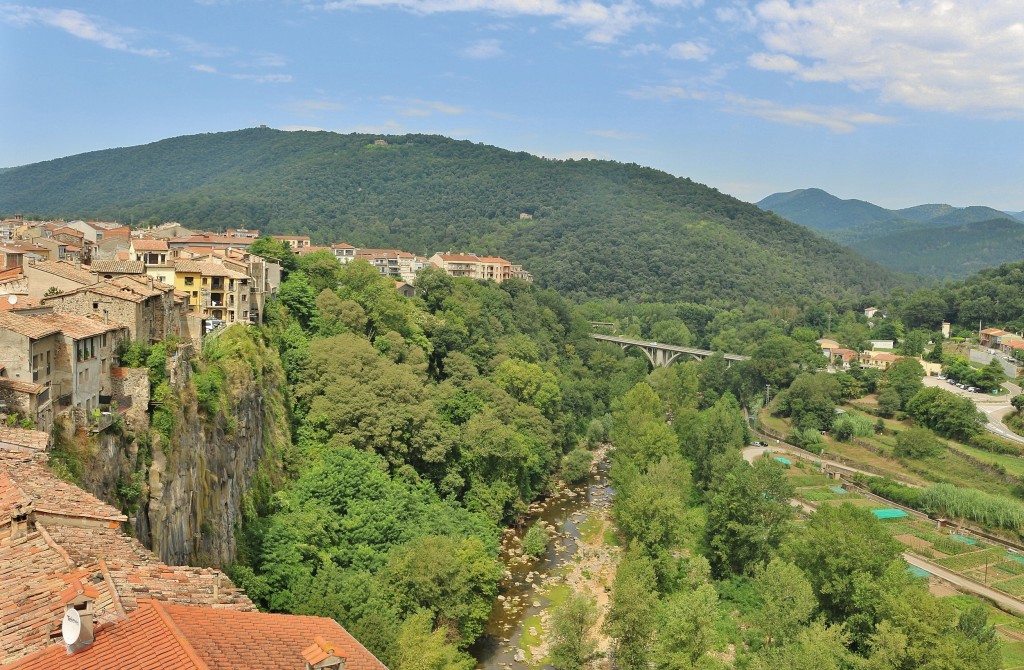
{"type": "Point", "coordinates": [577, 558]}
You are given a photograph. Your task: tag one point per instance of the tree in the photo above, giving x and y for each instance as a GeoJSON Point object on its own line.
{"type": "Point", "coordinates": [905, 377]}
{"type": "Point", "coordinates": [889, 402]}
{"type": "Point", "coordinates": [787, 600]}
{"type": "Point", "coordinates": [946, 413]}
{"type": "Point", "coordinates": [650, 507]}
{"type": "Point", "coordinates": [991, 376]}
{"type": "Point", "coordinates": [936, 354]}
{"type": "Point", "coordinates": [851, 562]}
{"type": "Point", "coordinates": [916, 443]}
{"type": "Point", "coordinates": [747, 513]}
{"type": "Point", "coordinates": [419, 647]}
{"type": "Point", "coordinates": [816, 647]}
{"type": "Point", "coordinates": [631, 619]}
{"type": "Point", "coordinates": [811, 401]}
{"type": "Point", "coordinates": [274, 250]}
{"type": "Point", "coordinates": [913, 343]}
{"type": "Point", "coordinates": [576, 466]}
{"type": "Point", "coordinates": [572, 623]}
{"type": "Point", "coordinates": [721, 430]}
{"type": "Point", "coordinates": [687, 627]}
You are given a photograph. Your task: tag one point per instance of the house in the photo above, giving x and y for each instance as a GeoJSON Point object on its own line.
{"type": "Point", "coordinates": [109, 269]}
{"type": "Point", "coordinates": [49, 277]}
{"type": "Point", "coordinates": [11, 258]}
{"type": "Point", "coordinates": [150, 252]}
{"type": "Point", "coordinates": [841, 358]}
{"type": "Point", "coordinates": [84, 357]}
{"type": "Point", "coordinates": [869, 312]}
{"type": "Point", "coordinates": [827, 347]}
{"type": "Point", "coordinates": [215, 291]}
{"type": "Point", "coordinates": [408, 290]}
{"type": "Point", "coordinates": [879, 360]}
{"type": "Point", "coordinates": [479, 267]}
{"type": "Point", "coordinates": [131, 611]}
{"type": "Point", "coordinates": [28, 356]}
{"type": "Point", "coordinates": [882, 344]}
{"type": "Point", "coordinates": [243, 233]}
{"type": "Point", "coordinates": [295, 242]}
{"type": "Point", "coordinates": [211, 240]}
{"type": "Point", "coordinates": [345, 253]}
{"type": "Point", "coordinates": [148, 309]}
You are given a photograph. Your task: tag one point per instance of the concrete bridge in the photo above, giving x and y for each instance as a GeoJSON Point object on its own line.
{"type": "Point", "coordinates": [661, 355]}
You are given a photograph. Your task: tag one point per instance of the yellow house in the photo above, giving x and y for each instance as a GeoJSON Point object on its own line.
{"type": "Point", "coordinates": [188, 277]}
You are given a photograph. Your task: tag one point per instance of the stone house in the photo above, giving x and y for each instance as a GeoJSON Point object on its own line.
{"type": "Point", "coordinates": [28, 359]}
{"type": "Point", "coordinates": [84, 357]}
{"type": "Point", "coordinates": [148, 309]}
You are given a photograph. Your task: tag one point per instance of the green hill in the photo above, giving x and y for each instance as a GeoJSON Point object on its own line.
{"type": "Point", "coordinates": [934, 240]}
{"type": "Point", "coordinates": [598, 228]}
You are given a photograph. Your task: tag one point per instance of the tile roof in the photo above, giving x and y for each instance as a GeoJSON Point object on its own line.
{"type": "Point", "coordinates": [459, 258]}
{"type": "Point", "coordinates": [341, 245]}
{"type": "Point", "coordinates": [144, 639]}
{"type": "Point", "coordinates": [143, 244]}
{"type": "Point", "coordinates": [25, 325]}
{"type": "Point", "coordinates": [10, 274]}
{"type": "Point", "coordinates": [52, 495]}
{"type": "Point", "coordinates": [207, 239]}
{"type": "Point", "coordinates": [76, 326]}
{"type": "Point", "coordinates": [994, 331]}
{"type": "Point", "coordinates": [65, 270]}
{"type": "Point", "coordinates": [208, 269]}
{"type": "Point", "coordinates": [71, 232]}
{"type": "Point", "coordinates": [120, 267]}
{"type": "Point", "coordinates": [266, 641]}
{"type": "Point", "coordinates": [494, 259]}
{"type": "Point", "coordinates": [19, 439]}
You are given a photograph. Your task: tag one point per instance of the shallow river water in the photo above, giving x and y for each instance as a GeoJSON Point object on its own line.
{"type": "Point", "coordinates": [520, 595]}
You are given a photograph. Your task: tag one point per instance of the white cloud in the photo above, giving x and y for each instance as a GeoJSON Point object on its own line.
{"type": "Point", "coordinates": [264, 78]}
{"type": "Point", "coordinates": [956, 56]}
{"type": "Point", "coordinates": [483, 49]}
{"type": "Point", "coordinates": [690, 51]}
{"type": "Point", "coordinates": [835, 119]}
{"type": "Point", "coordinates": [642, 50]}
{"type": "Point", "coordinates": [601, 21]}
{"type": "Point", "coordinates": [77, 24]}
{"type": "Point", "coordinates": [209, 69]}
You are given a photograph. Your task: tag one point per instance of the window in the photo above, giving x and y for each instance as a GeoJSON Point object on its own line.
{"type": "Point", "coordinates": [190, 281]}
{"type": "Point", "coordinates": [104, 340]}
{"type": "Point", "coordinates": [206, 280]}
{"type": "Point", "coordinates": [47, 362]}
{"type": "Point", "coordinates": [95, 305]}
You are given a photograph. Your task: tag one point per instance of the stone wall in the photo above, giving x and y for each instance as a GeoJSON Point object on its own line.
{"type": "Point", "coordinates": [129, 388]}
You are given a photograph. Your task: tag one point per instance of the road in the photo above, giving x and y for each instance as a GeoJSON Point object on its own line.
{"type": "Point", "coordinates": [994, 407]}
{"type": "Point", "coordinates": [1002, 600]}
{"type": "Point", "coordinates": [751, 454]}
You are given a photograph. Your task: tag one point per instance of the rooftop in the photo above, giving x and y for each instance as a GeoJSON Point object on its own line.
{"type": "Point", "coordinates": [76, 326]}
{"type": "Point", "coordinates": [119, 267]}
{"type": "Point", "coordinates": [51, 495]}
{"type": "Point", "coordinates": [22, 439]}
{"type": "Point", "coordinates": [143, 244]}
{"type": "Point", "coordinates": [65, 270]}
{"type": "Point", "coordinates": [25, 325]}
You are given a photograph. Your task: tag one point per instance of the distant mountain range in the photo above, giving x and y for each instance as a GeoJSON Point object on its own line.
{"type": "Point", "coordinates": [934, 240]}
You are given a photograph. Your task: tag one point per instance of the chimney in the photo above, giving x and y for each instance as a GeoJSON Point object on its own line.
{"type": "Point", "coordinates": [78, 262]}
{"type": "Point", "coordinates": [149, 281]}
{"type": "Point", "coordinates": [321, 656]}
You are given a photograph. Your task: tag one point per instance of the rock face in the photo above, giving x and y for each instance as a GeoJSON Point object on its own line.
{"type": "Point", "coordinates": [185, 481]}
{"type": "Point", "coordinates": [203, 477]}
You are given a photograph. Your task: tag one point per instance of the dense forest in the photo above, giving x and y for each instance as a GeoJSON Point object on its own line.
{"type": "Point", "coordinates": [598, 228]}
{"type": "Point", "coordinates": [424, 426]}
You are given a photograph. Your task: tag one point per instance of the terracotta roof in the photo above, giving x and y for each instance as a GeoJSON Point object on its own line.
{"type": "Point", "coordinates": [290, 237]}
{"type": "Point", "coordinates": [1014, 344]}
{"type": "Point", "coordinates": [305, 251]}
{"type": "Point", "coordinates": [71, 232]}
{"type": "Point", "coordinates": [994, 331]}
{"type": "Point", "coordinates": [145, 639]}
{"type": "Point", "coordinates": [76, 326]}
{"type": "Point", "coordinates": [342, 245]}
{"type": "Point", "coordinates": [143, 244]}
{"type": "Point", "coordinates": [25, 325]}
{"type": "Point", "coordinates": [494, 259]}
{"type": "Point", "coordinates": [208, 269]}
{"type": "Point", "coordinates": [10, 274]}
{"type": "Point", "coordinates": [12, 501]}
{"type": "Point", "coordinates": [23, 438]}
{"type": "Point", "coordinates": [119, 267]}
{"type": "Point", "coordinates": [65, 270]}
{"type": "Point", "coordinates": [268, 641]}
{"type": "Point", "coordinates": [459, 258]}
{"type": "Point", "coordinates": [883, 356]}
{"type": "Point", "coordinates": [52, 495]}
{"type": "Point", "coordinates": [208, 238]}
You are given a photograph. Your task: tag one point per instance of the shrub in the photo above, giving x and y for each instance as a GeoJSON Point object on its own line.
{"type": "Point", "coordinates": [995, 445]}
{"type": "Point", "coordinates": [576, 468]}
{"type": "Point", "coordinates": [916, 443]}
{"type": "Point", "coordinates": [535, 543]}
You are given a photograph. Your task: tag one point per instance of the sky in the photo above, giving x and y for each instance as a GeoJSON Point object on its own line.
{"type": "Point", "coordinates": [898, 102]}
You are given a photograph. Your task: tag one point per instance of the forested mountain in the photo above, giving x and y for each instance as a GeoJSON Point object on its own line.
{"type": "Point", "coordinates": [598, 228]}
{"type": "Point", "coordinates": [934, 240]}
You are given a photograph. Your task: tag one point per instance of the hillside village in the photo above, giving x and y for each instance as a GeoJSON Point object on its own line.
{"type": "Point", "coordinates": [72, 295]}
{"type": "Point", "coordinates": [71, 292]}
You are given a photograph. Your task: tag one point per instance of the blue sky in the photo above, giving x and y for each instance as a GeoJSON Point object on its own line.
{"type": "Point", "coordinates": [899, 102]}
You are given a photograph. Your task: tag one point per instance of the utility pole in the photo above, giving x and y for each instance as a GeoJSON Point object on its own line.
{"type": "Point", "coordinates": [767, 394]}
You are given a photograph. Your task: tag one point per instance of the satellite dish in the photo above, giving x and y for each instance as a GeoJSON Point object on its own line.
{"type": "Point", "coordinates": [71, 626]}
{"type": "Point", "coordinates": [13, 299]}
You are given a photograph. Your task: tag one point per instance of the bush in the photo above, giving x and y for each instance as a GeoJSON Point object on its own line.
{"type": "Point", "coordinates": [995, 445]}
{"type": "Point", "coordinates": [535, 543]}
{"type": "Point", "coordinates": [916, 443]}
{"type": "Point", "coordinates": [851, 425]}
{"type": "Point", "coordinates": [576, 467]}
{"type": "Point", "coordinates": [808, 439]}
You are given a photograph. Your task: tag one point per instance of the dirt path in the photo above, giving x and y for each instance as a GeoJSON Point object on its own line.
{"type": "Point", "coordinates": [1002, 600]}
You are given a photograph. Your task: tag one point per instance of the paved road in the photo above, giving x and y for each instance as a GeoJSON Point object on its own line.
{"type": "Point", "coordinates": [994, 407]}
{"type": "Point", "coordinates": [751, 454]}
